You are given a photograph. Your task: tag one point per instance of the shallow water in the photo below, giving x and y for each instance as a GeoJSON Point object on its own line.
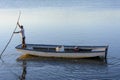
{"type": "Point", "coordinates": [76, 22]}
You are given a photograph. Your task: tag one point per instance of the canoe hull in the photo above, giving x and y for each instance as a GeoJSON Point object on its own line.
{"type": "Point", "coordinates": [65, 55]}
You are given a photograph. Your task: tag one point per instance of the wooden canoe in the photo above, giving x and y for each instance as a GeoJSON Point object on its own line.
{"type": "Point", "coordinates": [44, 50]}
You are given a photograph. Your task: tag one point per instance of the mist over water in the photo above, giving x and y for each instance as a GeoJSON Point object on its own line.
{"type": "Point", "coordinates": [73, 22]}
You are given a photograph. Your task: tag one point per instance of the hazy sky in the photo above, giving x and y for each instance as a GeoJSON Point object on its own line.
{"type": "Point", "coordinates": [61, 12]}
{"type": "Point", "coordinates": [60, 16]}
{"type": "Point", "coordinates": [59, 3]}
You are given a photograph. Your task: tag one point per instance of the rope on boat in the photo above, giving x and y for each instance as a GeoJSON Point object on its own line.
{"type": "Point", "coordinates": [10, 37]}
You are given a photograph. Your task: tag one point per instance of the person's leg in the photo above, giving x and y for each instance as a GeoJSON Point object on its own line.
{"type": "Point", "coordinates": [23, 43]}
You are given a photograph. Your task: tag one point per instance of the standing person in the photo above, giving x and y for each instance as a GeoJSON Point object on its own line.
{"type": "Point", "coordinates": [22, 32]}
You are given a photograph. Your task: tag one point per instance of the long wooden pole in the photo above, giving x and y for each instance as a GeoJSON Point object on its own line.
{"type": "Point", "coordinates": [11, 36]}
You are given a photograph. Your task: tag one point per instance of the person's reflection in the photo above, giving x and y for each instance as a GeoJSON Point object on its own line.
{"type": "Point", "coordinates": [22, 77]}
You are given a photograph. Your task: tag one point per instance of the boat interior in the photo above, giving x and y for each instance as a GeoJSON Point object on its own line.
{"type": "Point", "coordinates": [70, 49]}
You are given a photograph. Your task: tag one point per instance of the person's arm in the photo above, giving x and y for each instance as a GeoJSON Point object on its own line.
{"type": "Point", "coordinates": [18, 24]}
{"type": "Point", "coordinates": [17, 32]}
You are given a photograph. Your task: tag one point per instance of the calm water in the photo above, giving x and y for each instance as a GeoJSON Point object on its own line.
{"type": "Point", "coordinates": [73, 22]}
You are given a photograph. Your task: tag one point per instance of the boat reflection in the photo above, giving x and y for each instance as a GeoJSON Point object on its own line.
{"type": "Point", "coordinates": [28, 57]}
